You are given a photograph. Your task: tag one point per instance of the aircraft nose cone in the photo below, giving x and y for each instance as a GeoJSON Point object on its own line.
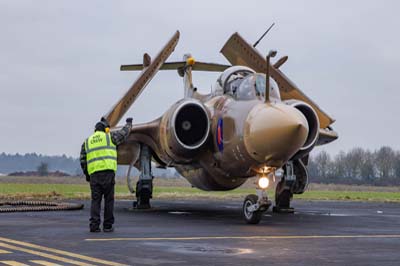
{"type": "Point", "coordinates": [274, 133]}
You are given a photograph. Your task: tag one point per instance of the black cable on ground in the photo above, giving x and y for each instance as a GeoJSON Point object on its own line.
{"type": "Point", "coordinates": [37, 206]}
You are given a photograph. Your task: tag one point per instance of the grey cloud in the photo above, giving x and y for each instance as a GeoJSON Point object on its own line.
{"type": "Point", "coordinates": [60, 59]}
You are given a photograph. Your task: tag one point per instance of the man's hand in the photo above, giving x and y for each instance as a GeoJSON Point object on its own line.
{"type": "Point", "coordinates": [129, 120]}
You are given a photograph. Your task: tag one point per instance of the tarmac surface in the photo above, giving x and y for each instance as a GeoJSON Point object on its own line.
{"type": "Point", "coordinates": [207, 233]}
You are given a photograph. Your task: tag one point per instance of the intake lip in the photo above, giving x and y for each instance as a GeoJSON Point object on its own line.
{"type": "Point", "coordinates": [312, 120]}
{"type": "Point", "coordinates": [190, 123]}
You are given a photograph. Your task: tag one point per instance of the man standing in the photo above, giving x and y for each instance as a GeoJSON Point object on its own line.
{"type": "Point", "coordinates": [99, 164]}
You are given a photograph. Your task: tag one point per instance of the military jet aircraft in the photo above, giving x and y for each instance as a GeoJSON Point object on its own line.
{"type": "Point", "coordinates": [254, 122]}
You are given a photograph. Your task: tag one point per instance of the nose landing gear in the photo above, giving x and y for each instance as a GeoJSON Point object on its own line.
{"type": "Point", "coordinates": [255, 205]}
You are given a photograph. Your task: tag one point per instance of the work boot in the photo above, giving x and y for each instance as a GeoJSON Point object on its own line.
{"type": "Point", "coordinates": [108, 228]}
{"type": "Point", "coordinates": [95, 229]}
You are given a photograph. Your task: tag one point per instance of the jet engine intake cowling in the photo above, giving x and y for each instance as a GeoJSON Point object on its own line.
{"type": "Point", "coordinates": [184, 130]}
{"type": "Point", "coordinates": [313, 126]}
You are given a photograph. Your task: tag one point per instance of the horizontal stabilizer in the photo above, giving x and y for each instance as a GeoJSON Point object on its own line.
{"type": "Point", "coordinates": [197, 66]}
{"type": "Point", "coordinates": [326, 135]}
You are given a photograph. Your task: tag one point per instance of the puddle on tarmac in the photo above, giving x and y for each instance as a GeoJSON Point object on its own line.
{"type": "Point", "coordinates": [202, 249]}
{"type": "Point", "coordinates": [213, 250]}
{"type": "Point", "coordinates": [180, 213]}
{"type": "Point", "coordinates": [325, 213]}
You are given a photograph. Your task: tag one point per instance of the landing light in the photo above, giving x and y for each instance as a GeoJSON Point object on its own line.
{"type": "Point", "coordinates": [263, 182]}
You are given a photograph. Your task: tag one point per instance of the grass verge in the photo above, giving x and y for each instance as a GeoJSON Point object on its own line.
{"type": "Point", "coordinates": [82, 191]}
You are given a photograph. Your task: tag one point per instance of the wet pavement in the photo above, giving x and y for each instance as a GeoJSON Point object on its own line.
{"type": "Point", "coordinates": [207, 233]}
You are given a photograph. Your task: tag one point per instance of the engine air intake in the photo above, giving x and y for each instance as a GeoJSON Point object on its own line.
{"type": "Point", "coordinates": [191, 125]}
{"type": "Point", "coordinates": [313, 127]}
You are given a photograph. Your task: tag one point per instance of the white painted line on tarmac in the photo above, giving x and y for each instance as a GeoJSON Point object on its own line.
{"type": "Point", "coordinates": [12, 263]}
{"type": "Point", "coordinates": [46, 253]}
{"type": "Point", "coordinates": [239, 237]}
{"type": "Point", "coordinates": [44, 263]}
{"type": "Point", "coordinates": [2, 251]}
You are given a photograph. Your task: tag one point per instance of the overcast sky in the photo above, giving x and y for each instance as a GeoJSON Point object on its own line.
{"type": "Point", "coordinates": [59, 62]}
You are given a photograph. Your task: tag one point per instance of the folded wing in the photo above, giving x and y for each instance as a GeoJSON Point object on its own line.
{"type": "Point", "coordinates": [239, 52]}
{"type": "Point", "coordinates": [120, 108]}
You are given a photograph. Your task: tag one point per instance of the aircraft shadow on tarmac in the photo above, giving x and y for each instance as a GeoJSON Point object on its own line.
{"type": "Point", "coordinates": [215, 212]}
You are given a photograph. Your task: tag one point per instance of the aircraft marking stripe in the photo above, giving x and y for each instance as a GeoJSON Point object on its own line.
{"type": "Point", "coordinates": [61, 252]}
{"type": "Point", "coordinates": [240, 237]}
{"type": "Point", "coordinates": [13, 263]}
{"type": "Point", "coordinates": [42, 254]}
{"type": "Point", "coordinates": [2, 251]}
{"type": "Point", "coordinates": [45, 263]}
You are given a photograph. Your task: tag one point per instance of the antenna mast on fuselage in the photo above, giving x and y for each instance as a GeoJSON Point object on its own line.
{"type": "Point", "coordinates": [262, 36]}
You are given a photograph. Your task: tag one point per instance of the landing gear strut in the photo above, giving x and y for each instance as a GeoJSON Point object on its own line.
{"type": "Point", "coordinates": [144, 187]}
{"type": "Point", "coordinates": [255, 205]}
{"type": "Point", "coordinates": [283, 191]}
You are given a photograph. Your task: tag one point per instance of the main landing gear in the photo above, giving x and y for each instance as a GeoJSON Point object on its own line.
{"type": "Point", "coordinates": [144, 186]}
{"type": "Point", "coordinates": [284, 190]}
{"type": "Point", "coordinates": [283, 196]}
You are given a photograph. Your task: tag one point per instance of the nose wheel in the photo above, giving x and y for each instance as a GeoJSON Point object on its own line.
{"type": "Point", "coordinates": [254, 206]}
{"type": "Point", "coordinates": [250, 214]}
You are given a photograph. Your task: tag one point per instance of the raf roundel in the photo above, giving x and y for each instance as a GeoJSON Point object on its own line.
{"type": "Point", "coordinates": [220, 135]}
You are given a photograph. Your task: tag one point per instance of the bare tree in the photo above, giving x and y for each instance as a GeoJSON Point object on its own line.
{"type": "Point", "coordinates": [396, 166]}
{"type": "Point", "coordinates": [43, 169]}
{"type": "Point", "coordinates": [324, 164]}
{"type": "Point", "coordinates": [384, 161]}
{"type": "Point", "coordinates": [358, 166]}
{"type": "Point", "coordinates": [368, 167]}
{"type": "Point", "coordinates": [339, 166]}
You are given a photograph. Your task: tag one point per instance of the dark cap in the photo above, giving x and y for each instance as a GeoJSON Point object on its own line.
{"type": "Point", "coordinates": [101, 125]}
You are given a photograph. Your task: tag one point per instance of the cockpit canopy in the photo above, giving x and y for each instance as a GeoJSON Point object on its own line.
{"type": "Point", "coordinates": [242, 83]}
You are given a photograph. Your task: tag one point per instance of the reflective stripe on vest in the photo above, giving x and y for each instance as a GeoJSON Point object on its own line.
{"type": "Point", "coordinates": [101, 153]}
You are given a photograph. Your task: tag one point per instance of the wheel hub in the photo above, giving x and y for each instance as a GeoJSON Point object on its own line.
{"type": "Point", "coordinates": [248, 212]}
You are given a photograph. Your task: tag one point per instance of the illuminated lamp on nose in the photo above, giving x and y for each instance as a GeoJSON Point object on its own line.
{"type": "Point", "coordinates": [263, 182]}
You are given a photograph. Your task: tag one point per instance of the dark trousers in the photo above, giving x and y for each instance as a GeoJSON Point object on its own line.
{"type": "Point", "coordinates": [102, 184]}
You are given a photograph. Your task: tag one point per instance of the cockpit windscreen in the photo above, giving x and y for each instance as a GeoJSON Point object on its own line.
{"type": "Point", "coordinates": [251, 87]}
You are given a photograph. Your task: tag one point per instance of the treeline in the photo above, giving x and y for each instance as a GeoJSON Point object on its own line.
{"type": "Point", "coordinates": [357, 166]}
{"type": "Point", "coordinates": [17, 163]}
{"type": "Point", "coordinates": [31, 161]}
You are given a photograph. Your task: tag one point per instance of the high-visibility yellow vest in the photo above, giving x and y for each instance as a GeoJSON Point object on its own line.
{"type": "Point", "coordinates": [101, 153]}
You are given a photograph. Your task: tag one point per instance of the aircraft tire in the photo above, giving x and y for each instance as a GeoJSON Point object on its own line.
{"type": "Point", "coordinates": [251, 217]}
{"type": "Point", "coordinates": [282, 200]}
{"type": "Point", "coordinates": [143, 201]}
